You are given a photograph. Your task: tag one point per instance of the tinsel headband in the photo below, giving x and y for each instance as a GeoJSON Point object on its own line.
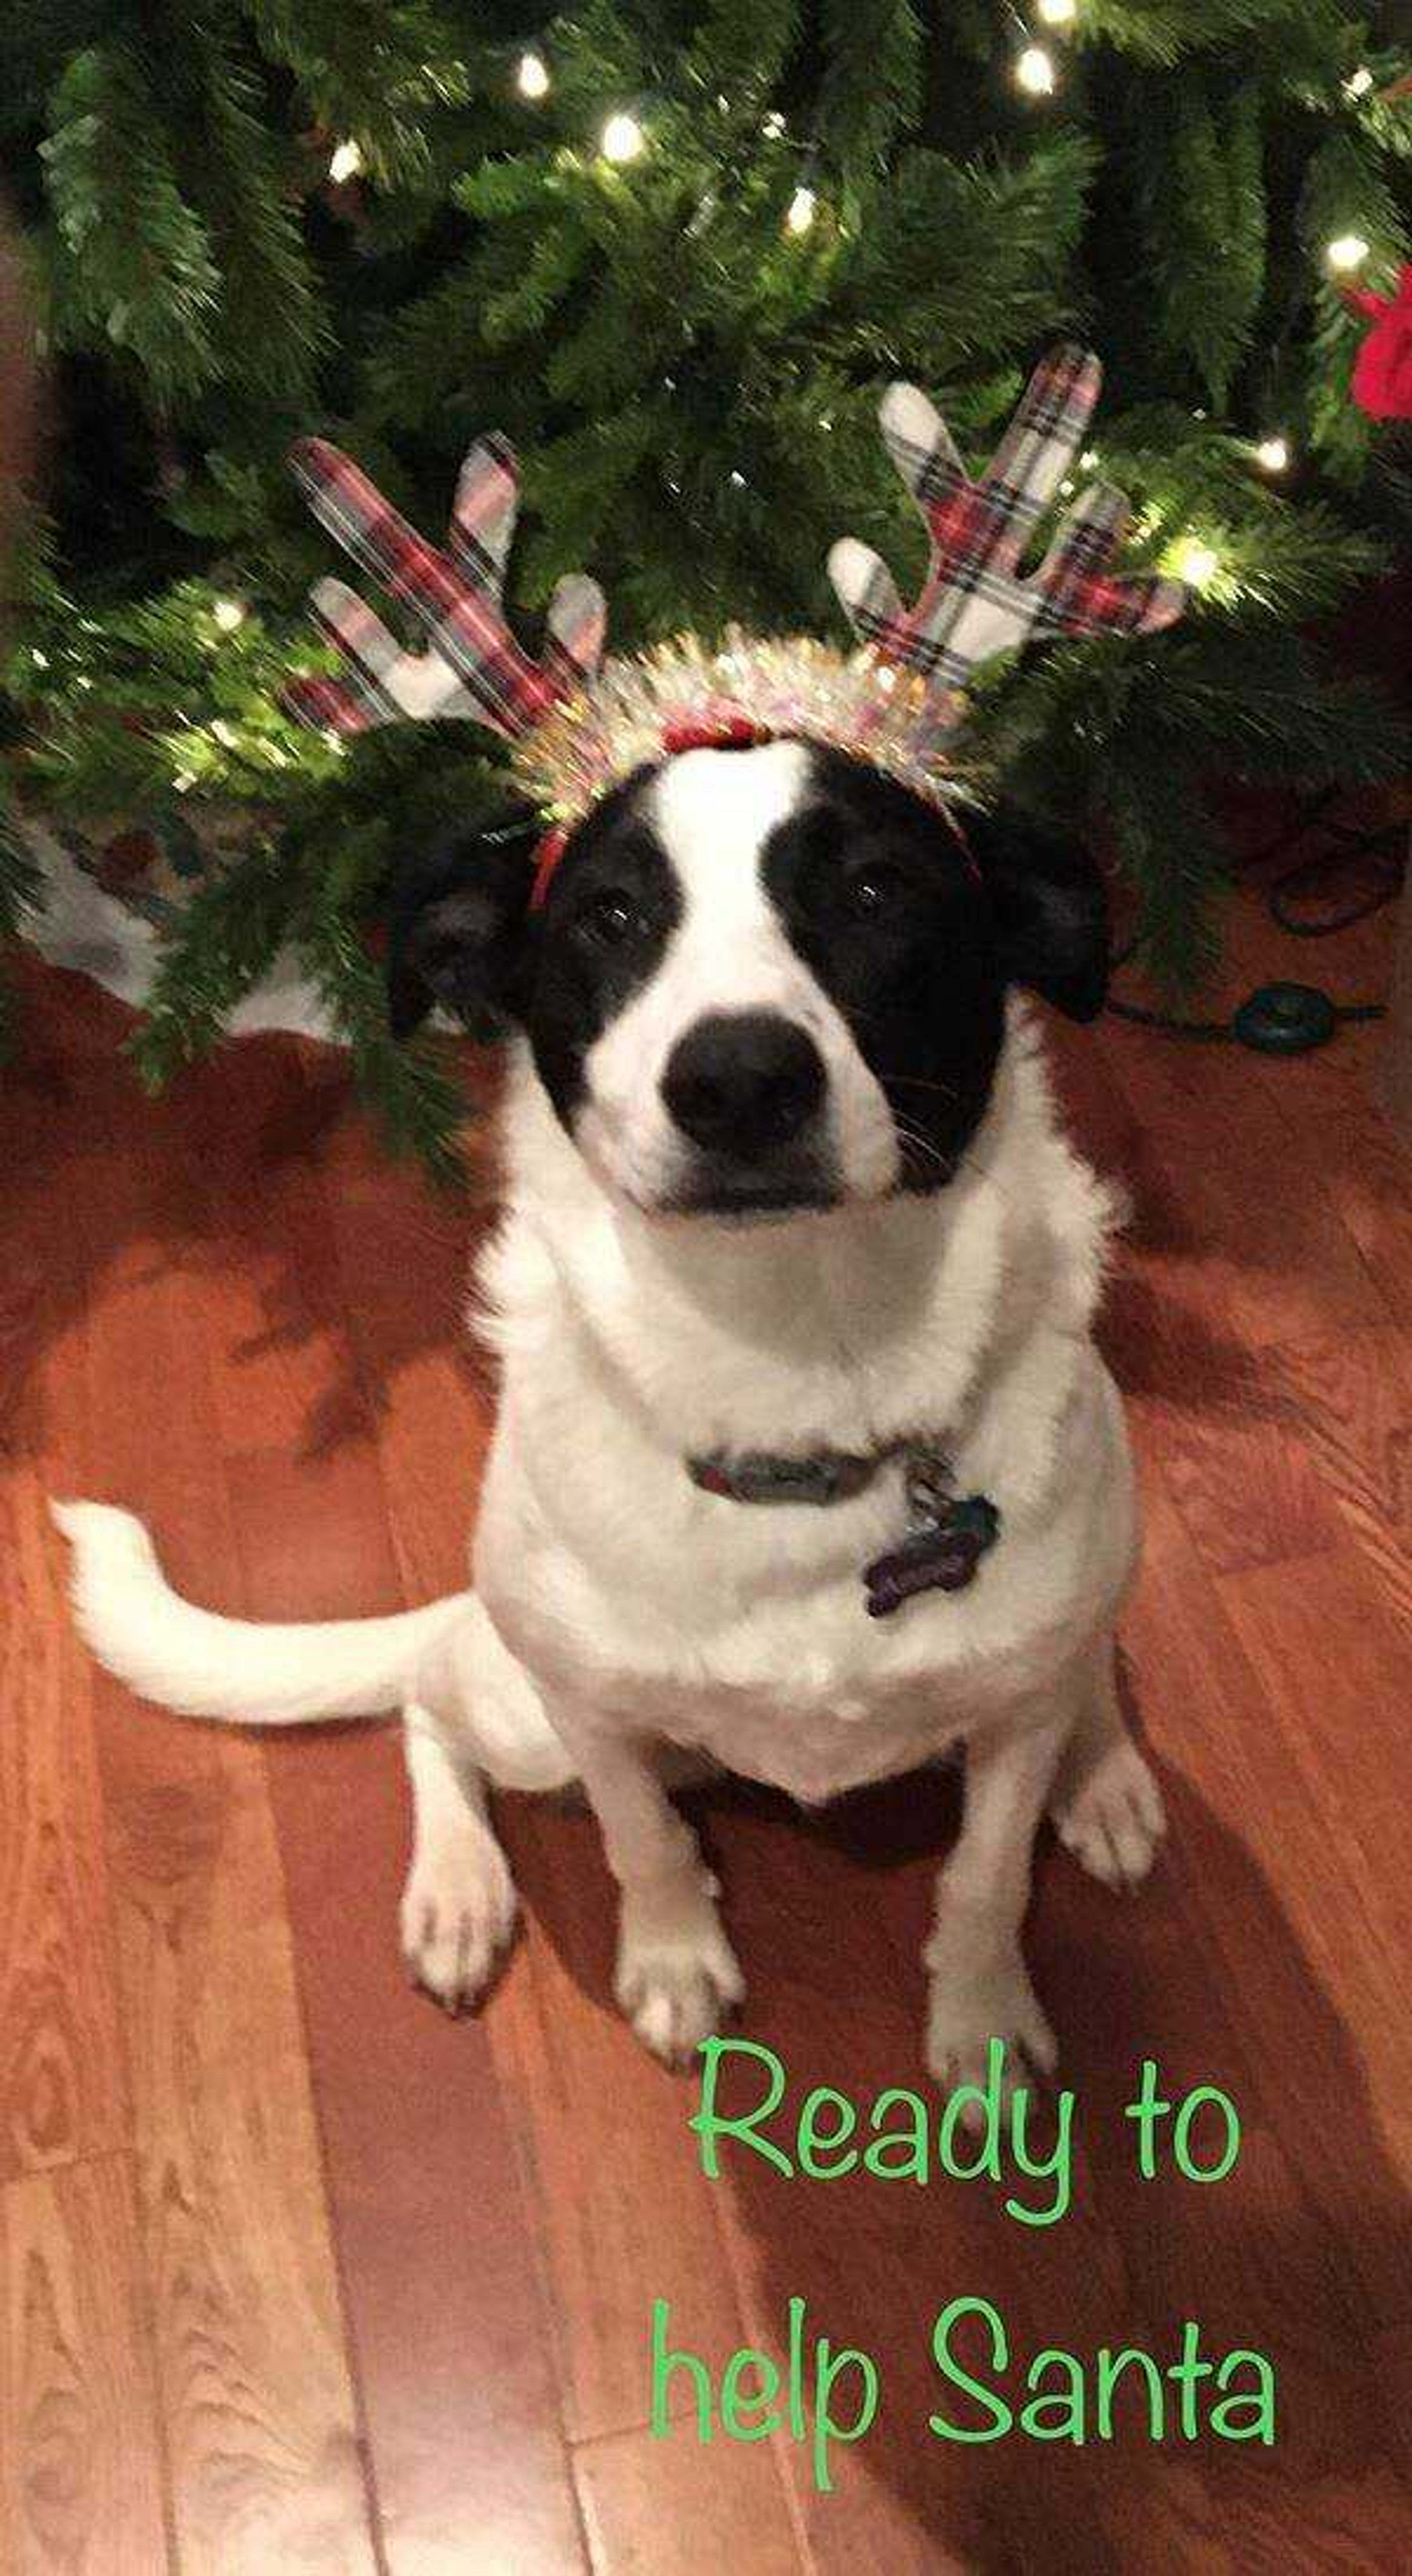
{"type": "Point", "coordinates": [578, 725]}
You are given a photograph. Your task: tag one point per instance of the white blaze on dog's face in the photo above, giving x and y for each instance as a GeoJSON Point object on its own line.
{"type": "Point", "coordinates": [729, 1080]}
{"type": "Point", "coordinates": [763, 980]}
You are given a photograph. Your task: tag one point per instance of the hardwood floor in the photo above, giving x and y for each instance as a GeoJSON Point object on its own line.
{"type": "Point", "coordinates": [299, 2275]}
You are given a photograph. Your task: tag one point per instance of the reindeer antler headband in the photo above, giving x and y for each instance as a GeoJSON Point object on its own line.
{"type": "Point", "coordinates": [577, 725]}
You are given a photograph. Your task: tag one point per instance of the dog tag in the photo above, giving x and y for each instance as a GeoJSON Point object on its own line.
{"type": "Point", "coordinates": [942, 1556]}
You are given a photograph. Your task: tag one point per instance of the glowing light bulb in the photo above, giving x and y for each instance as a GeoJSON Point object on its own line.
{"type": "Point", "coordinates": [1272, 455]}
{"type": "Point", "coordinates": [532, 76]}
{"type": "Point", "coordinates": [1058, 13]}
{"type": "Point", "coordinates": [40, 660]}
{"type": "Point", "coordinates": [1035, 72]}
{"type": "Point", "coordinates": [1089, 459]}
{"type": "Point", "coordinates": [803, 206]}
{"type": "Point", "coordinates": [228, 614]}
{"type": "Point", "coordinates": [1347, 250]}
{"type": "Point", "coordinates": [1196, 563]}
{"type": "Point", "coordinates": [1358, 83]}
{"type": "Point", "coordinates": [622, 139]}
{"type": "Point", "coordinates": [346, 162]}
{"type": "Point", "coordinates": [773, 126]}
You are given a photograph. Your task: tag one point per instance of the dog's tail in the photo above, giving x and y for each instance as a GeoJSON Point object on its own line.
{"type": "Point", "coordinates": [281, 1674]}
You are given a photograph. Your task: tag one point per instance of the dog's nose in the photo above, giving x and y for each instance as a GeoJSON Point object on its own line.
{"type": "Point", "coordinates": [741, 1082]}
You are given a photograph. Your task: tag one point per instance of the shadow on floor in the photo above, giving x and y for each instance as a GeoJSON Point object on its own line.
{"type": "Point", "coordinates": [1294, 2254]}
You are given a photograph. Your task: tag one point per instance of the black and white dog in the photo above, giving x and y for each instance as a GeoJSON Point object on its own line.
{"type": "Point", "coordinates": [796, 1272]}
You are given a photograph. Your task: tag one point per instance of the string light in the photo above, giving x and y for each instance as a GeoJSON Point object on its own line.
{"type": "Point", "coordinates": [803, 206]}
{"type": "Point", "coordinates": [1058, 13]}
{"type": "Point", "coordinates": [40, 660]}
{"type": "Point", "coordinates": [1195, 562]}
{"type": "Point", "coordinates": [622, 139]}
{"type": "Point", "coordinates": [346, 162]}
{"type": "Point", "coordinates": [1358, 83]}
{"type": "Point", "coordinates": [1035, 72]}
{"type": "Point", "coordinates": [1272, 455]}
{"type": "Point", "coordinates": [1089, 460]}
{"type": "Point", "coordinates": [773, 127]}
{"type": "Point", "coordinates": [228, 614]}
{"type": "Point", "coordinates": [1347, 250]}
{"type": "Point", "coordinates": [532, 76]}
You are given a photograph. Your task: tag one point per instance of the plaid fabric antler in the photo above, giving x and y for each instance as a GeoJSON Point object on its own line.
{"type": "Point", "coordinates": [974, 602]}
{"type": "Point", "coordinates": [472, 668]}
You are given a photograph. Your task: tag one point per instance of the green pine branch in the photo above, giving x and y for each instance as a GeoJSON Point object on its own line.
{"type": "Point", "coordinates": [1204, 220]}
{"type": "Point", "coordinates": [131, 260]}
{"type": "Point", "coordinates": [223, 941]}
{"type": "Point", "coordinates": [871, 91]}
{"type": "Point", "coordinates": [1163, 32]}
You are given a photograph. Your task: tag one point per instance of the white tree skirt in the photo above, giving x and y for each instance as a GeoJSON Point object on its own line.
{"type": "Point", "coordinates": [88, 930]}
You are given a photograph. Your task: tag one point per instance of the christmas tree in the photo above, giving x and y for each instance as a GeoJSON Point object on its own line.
{"type": "Point", "coordinates": [676, 252]}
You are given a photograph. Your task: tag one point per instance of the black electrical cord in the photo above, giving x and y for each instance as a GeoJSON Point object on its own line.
{"type": "Point", "coordinates": [1286, 1019]}
{"type": "Point", "coordinates": [1170, 1027]}
{"type": "Point", "coordinates": [1308, 872]}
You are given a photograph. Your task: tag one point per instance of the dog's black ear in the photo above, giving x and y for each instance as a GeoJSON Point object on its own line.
{"type": "Point", "coordinates": [1051, 909]}
{"type": "Point", "coordinates": [456, 929]}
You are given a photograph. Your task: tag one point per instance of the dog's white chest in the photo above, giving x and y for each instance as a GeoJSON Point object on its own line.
{"type": "Point", "coordinates": [640, 1603]}
{"type": "Point", "coordinates": [743, 1632]}
{"type": "Point", "coordinates": [819, 1752]}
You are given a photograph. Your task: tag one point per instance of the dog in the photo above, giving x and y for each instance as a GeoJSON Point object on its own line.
{"type": "Point", "coordinates": [790, 1233]}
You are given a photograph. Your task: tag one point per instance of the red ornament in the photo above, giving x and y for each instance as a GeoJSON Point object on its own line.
{"type": "Point", "coordinates": [1382, 374]}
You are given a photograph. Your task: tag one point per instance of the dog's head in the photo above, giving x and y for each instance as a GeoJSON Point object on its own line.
{"type": "Point", "coordinates": [763, 980]}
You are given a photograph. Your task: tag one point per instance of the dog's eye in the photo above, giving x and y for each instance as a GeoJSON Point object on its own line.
{"type": "Point", "coordinates": [875, 891]}
{"type": "Point", "coordinates": [611, 918]}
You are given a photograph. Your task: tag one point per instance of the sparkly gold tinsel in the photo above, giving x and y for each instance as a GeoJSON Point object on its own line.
{"type": "Point", "coordinates": [893, 718]}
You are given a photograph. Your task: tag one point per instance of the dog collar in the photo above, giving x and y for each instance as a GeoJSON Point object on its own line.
{"type": "Point", "coordinates": [949, 1533]}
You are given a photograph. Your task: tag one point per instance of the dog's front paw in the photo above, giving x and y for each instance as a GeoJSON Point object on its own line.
{"type": "Point", "coordinates": [677, 1976]}
{"type": "Point", "coordinates": [970, 2008]}
{"type": "Point", "coordinates": [1115, 1819]}
{"type": "Point", "coordinates": [458, 1912]}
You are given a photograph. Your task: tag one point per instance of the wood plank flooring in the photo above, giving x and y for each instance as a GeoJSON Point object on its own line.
{"type": "Point", "coordinates": [295, 2274]}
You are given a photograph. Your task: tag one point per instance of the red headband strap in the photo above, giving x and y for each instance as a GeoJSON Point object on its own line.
{"type": "Point", "coordinates": [546, 859]}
